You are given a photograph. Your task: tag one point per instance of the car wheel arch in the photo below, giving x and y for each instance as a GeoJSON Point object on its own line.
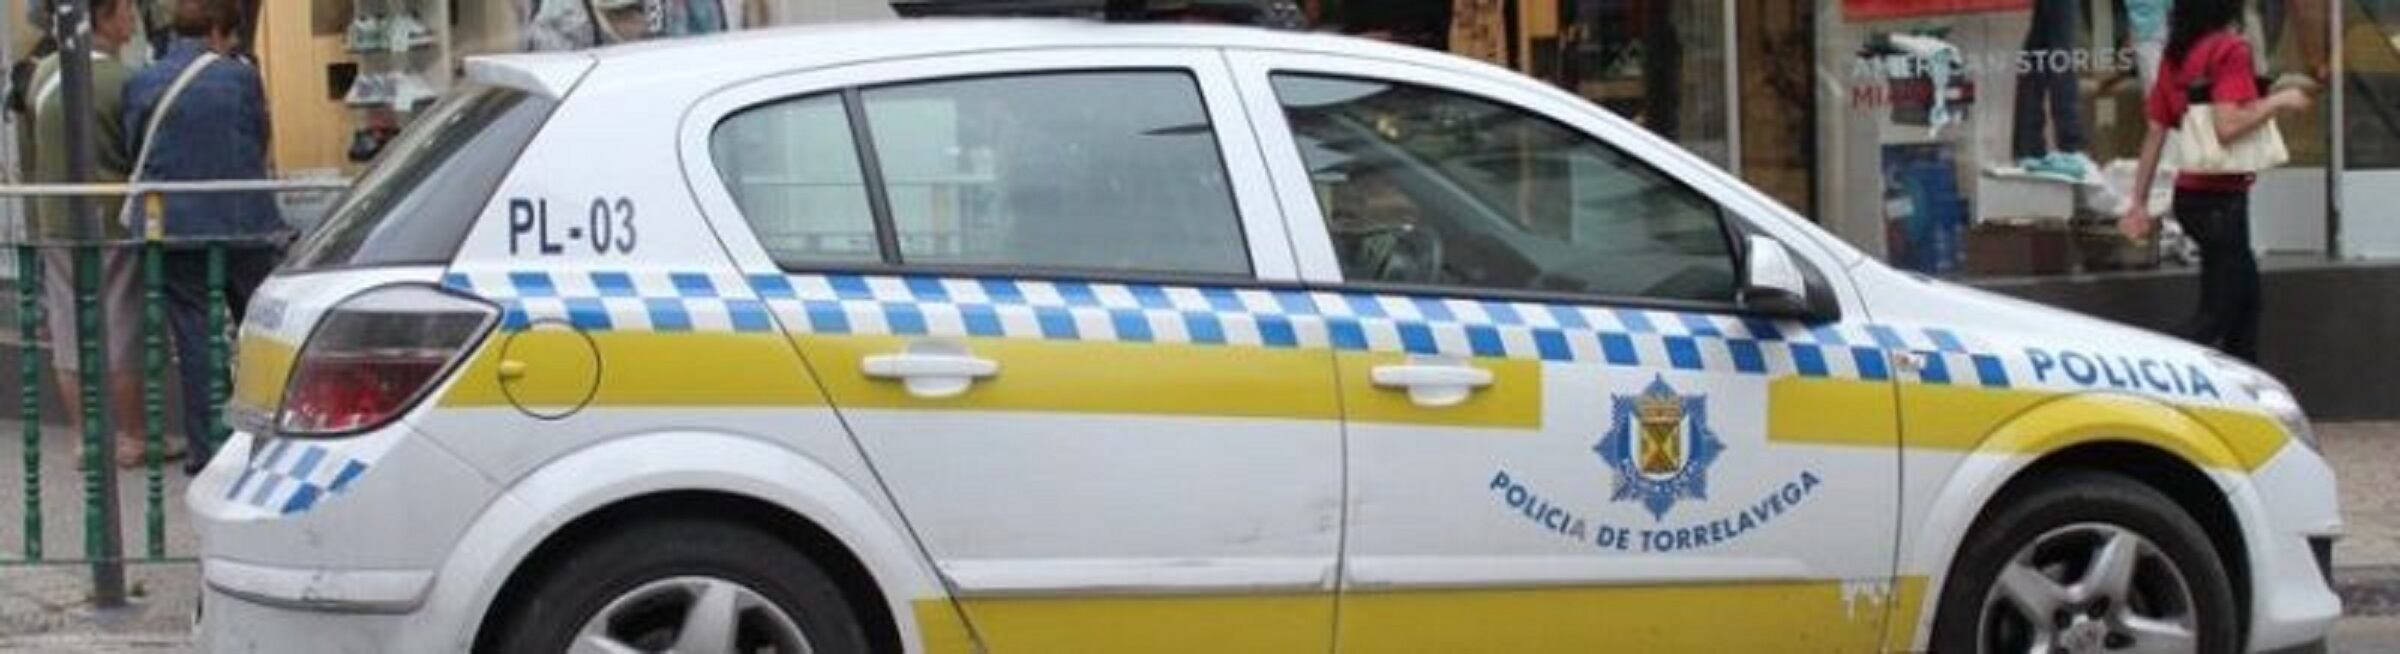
{"type": "Point", "coordinates": [2147, 442]}
{"type": "Point", "coordinates": [591, 486]}
{"type": "Point", "coordinates": [857, 583]}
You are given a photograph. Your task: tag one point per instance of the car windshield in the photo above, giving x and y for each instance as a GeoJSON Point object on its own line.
{"type": "Point", "coordinates": [416, 203]}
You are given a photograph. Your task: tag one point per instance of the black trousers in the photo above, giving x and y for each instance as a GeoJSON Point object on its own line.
{"type": "Point", "coordinates": [2048, 101]}
{"type": "Point", "coordinates": [187, 319]}
{"type": "Point", "coordinates": [2227, 316]}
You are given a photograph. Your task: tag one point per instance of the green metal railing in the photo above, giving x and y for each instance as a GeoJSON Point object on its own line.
{"type": "Point", "coordinates": [103, 526]}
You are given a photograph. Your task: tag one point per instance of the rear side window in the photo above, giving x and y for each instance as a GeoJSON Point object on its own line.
{"type": "Point", "coordinates": [415, 205]}
{"type": "Point", "coordinates": [1018, 172]}
{"type": "Point", "coordinates": [794, 171]}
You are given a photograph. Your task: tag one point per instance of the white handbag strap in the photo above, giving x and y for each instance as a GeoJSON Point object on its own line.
{"type": "Point", "coordinates": [158, 116]}
{"type": "Point", "coordinates": [166, 102]}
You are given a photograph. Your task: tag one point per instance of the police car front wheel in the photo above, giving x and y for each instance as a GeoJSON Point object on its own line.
{"type": "Point", "coordinates": [2087, 562]}
{"type": "Point", "coordinates": [683, 586]}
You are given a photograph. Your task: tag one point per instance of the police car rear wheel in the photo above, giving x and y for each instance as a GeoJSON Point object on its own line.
{"type": "Point", "coordinates": [2087, 562]}
{"type": "Point", "coordinates": [684, 586]}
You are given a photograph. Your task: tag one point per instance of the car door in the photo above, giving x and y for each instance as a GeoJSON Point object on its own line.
{"type": "Point", "coordinates": [1566, 428]}
{"type": "Point", "coordinates": [1049, 293]}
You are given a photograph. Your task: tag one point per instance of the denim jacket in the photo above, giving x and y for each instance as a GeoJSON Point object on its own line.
{"type": "Point", "coordinates": [217, 129]}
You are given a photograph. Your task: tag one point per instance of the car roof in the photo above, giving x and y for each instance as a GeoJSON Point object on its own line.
{"type": "Point", "coordinates": [768, 51]}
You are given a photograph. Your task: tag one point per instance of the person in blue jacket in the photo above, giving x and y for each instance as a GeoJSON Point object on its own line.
{"type": "Point", "coordinates": [214, 128]}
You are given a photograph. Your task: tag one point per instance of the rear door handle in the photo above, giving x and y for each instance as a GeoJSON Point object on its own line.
{"type": "Point", "coordinates": [1433, 383]}
{"type": "Point", "coordinates": [931, 369]}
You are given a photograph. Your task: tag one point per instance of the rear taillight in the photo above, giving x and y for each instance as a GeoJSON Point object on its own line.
{"type": "Point", "coordinates": [374, 355]}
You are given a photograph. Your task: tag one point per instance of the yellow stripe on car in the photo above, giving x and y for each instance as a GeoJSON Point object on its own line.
{"type": "Point", "coordinates": [644, 369]}
{"type": "Point", "coordinates": [261, 366]}
{"type": "Point", "coordinates": [2009, 421]}
{"type": "Point", "coordinates": [1099, 377]}
{"type": "Point", "coordinates": [1798, 616]}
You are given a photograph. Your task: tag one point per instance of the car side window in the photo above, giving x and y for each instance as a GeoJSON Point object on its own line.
{"type": "Point", "coordinates": [1109, 171]}
{"type": "Point", "coordinates": [795, 173]}
{"type": "Point", "coordinates": [1427, 187]}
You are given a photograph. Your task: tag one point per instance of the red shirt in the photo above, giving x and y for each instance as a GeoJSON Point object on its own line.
{"type": "Point", "coordinates": [2221, 60]}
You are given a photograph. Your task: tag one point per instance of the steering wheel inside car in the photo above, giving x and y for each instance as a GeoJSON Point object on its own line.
{"type": "Point", "coordinates": [1402, 253]}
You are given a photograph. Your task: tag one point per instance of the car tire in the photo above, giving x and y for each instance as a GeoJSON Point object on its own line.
{"type": "Point", "coordinates": [653, 578]}
{"type": "Point", "coordinates": [2045, 528]}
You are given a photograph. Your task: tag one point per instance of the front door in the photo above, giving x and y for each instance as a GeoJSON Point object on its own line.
{"type": "Point", "coordinates": [1563, 433]}
{"type": "Point", "coordinates": [1024, 281]}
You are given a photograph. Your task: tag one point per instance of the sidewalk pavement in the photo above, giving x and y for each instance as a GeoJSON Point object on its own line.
{"type": "Point", "coordinates": [2366, 562]}
{"type": "Point", "coordinates": [47, 608]}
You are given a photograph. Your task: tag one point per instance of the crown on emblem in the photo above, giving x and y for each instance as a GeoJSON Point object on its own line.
{"type": "Point", "coordinates": [1658, 408]}
{"type": "Point", "coordinates": [1660, 450]}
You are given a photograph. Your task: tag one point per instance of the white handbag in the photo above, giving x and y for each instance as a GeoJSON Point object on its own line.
{"type": "Point", "coordinates": [2194, 147]}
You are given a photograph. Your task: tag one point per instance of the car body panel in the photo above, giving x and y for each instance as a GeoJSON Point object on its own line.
{"type": "Point", "coordinates": [1209, 447]}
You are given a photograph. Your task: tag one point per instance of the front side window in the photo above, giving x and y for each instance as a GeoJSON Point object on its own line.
{"type": "Point", "coordinates": [1113, 171]}
{"type": "Point", "coordinates": [1428, 187]}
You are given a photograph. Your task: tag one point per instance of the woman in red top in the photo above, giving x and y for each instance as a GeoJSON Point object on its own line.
{"type": "Point", "coordinates": [2206, 50]}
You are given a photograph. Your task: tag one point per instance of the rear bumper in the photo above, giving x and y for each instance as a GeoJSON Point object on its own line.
{"type": "Point", "coordinates": [313, 589]}
{"type": "Point", "coordinates": [230, 623]}
{"type": "Point", "coordinates": [331, 545]}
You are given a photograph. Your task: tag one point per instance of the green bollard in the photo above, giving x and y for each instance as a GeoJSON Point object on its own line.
{"type": "Point", "coordinates": [29, 380]}
{"type": "Point", "coordinates": [154, 363]}
{"type": "Point", "coordinates": [101, 540]}
{"type": "Point", "coordinates": [217, 391]}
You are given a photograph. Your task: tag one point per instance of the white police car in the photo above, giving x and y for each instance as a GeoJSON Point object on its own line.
{"type": "Point", "coordinates": [1040, 337]}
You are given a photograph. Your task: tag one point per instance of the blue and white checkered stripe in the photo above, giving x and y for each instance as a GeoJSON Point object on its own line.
{"type": "Point", "coordinates": [1153, 313]}
{"type": "Point", "coordinates": [1131, 313]}
{"type": "Point", "coordinates": [291, 476]}
{"type": "Point", "coordinates": [628, 300]}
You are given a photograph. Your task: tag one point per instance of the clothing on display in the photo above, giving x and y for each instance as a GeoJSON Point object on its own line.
{"type": "Point", "coordinates": [1940, 62]}
{"type": "Point", "coordinates": [1925, 78]}
{"type": "Point", "coordinates": [2048, 116]}
{"type": "Point", "coordinates": [2147, 20]}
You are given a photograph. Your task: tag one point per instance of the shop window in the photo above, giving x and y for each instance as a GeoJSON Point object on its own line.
{"type": "Point", "coordinates": [793, 170]}
{"type": "Point", "coordinates": [1427, 187]}
{"type": "Point", "coordinates": [1084, 171]}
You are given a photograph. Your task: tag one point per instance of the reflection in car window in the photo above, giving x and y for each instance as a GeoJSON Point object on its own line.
{"type": "Point", "coordinates": [416, 204]}
{"type": "Point", "coordinates": [795, 174]}
{"type": "Point", "coordinates": [1094, 171]}
{"type": "Point", "coordinates": [1422, 186]}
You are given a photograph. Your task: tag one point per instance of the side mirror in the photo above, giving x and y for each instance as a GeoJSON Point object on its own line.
{"type": "Point", "coordinates": [1772, 280]}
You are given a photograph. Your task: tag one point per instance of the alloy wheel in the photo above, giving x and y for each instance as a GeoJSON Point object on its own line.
{"type": "Point", "coordinates": [690, 615]}
{"type": "Point", "coordinates": [2089, 587]}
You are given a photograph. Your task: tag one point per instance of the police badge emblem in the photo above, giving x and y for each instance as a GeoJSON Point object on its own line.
{"type": "Point", "coordinates": [1660, 447]}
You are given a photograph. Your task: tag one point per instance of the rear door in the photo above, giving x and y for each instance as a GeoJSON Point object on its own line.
{"type": "Point", "coordinates": [1050, 295]}
{"type": "Point", "coordinates": [1565, 432]}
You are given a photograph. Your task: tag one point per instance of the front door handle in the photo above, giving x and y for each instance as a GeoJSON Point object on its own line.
{"type": "Point", "coordinates": [931, 369]}
{"type": "Point", "coordinates": [1432, 383]}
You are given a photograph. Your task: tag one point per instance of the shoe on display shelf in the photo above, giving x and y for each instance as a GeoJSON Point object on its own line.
{"type": "Point", "coordinates": [367, 34]}
{"type": "Point", "coordinates": [408, 91]}
{"type": "Point", "coordinates": [368, 90]}
{"type": "Point", "coordinates": [405, 32]}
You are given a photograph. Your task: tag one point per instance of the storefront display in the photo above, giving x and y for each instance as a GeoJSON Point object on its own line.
{"type": "Point", "coordinates": [1955, 137]}
{"type": "Point", "coordinates": [2030, 174]}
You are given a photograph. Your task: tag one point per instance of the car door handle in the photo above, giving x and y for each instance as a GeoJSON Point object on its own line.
{"type": "Point", "coordinates": [1431, 383]}
{"type": "Point", "coordinates": [930, 371]}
